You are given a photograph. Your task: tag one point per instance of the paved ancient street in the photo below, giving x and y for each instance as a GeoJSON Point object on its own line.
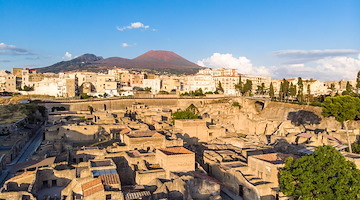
{"type": "Point", "coordinates": [24, 154]}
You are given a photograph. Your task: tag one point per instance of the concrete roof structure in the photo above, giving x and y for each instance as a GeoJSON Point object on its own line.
{"type": "Point", "coordinates": [274, 158]}
{"type": "Point", "coordinates": [175, 150]}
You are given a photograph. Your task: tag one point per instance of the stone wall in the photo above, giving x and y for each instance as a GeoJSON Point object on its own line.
{"type": "Point", "coordinates": [16, 195]}
{"type": "Point", "coordinates": [145, 177]}
{"type": "Point", "coordinates": [48, 177]}
{"type": "Point", "coordinates": [193, 128]}
{"type": "Point", "coordinates": [144, 142]}
{"type": "Point", "coordinates": [120, 104]}
{"type": "Point", "coordinates": [176, 163]}
{"type": "Point", "coordinates": [235, 182]}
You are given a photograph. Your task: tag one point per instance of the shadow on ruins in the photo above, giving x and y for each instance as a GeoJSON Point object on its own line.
{"type": "Point", "coordinates": [303, 117]}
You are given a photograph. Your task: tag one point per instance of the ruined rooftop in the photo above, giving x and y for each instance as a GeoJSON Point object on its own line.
{"type": "Point", "coordinates": [175, 151]}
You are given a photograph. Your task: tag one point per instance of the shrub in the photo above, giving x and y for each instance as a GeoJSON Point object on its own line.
{"type": "Point", "coordinates": [236, 104]}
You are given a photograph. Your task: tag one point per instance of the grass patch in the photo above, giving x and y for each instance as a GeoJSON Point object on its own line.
{"type": "Point", "coordinates": [14, 112]}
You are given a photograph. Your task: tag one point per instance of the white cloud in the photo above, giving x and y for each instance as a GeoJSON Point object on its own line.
{"type": "Point", "coordinates": [135, 25]}
{"type": "Point", "coordinates": [6, 46]}
{"type": "Point", "coordinates": [341, 67]}
{"type": "Point", "coordinates": [242, 64]}
{"type": "Point", "coordinates": [324, 69]}
{"type": "Point", "coordinates": [6, 49]}
{"type": "Point", "coordinates": [127, 44]}
{"type": "Point", "coordinates": [67, 56]}
{"type": "Point", "coordinates": [302, 56]}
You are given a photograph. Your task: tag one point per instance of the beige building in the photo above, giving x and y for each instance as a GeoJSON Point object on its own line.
{"type": "Point", "coordinates": [171, 83]}
{"type": "Point", "coordinates": [136, 79]}
{"type": "Point", "coordinates": [17, 72]}
{"type": "Point", "coordinates": [175, 159]}
{"type": "Point", "coordinates": [147, 140]}
{"type": "Point", "coordinates": [118, 72]}
{"type": "Point", "coordinates": [49, 178]}
{"type": "Point", "coordinates": [227, 83]}
{"type": "Point", "coordinates": [86, 81]}
{"type": "Point", "coordinates": [255, 180]}
{"type": "Point", "coordinates": [7, 82]}
{"type": "Point", "coordinates": [106, 84]}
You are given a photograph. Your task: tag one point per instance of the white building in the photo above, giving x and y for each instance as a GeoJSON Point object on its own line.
{"type": "Point", "coordinates": [65, 85]}
{"type": "Point", "coordinates": [200, 81]}
{"type": "Point", "coordinates": [154, 84]}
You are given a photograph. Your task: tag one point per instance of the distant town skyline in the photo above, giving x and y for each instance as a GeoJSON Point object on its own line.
{"type": "Point", "coordinates": [313, 39]}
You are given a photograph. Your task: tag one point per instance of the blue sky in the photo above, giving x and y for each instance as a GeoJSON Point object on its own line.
{"type": "Point", "coordinates": [309, 38]}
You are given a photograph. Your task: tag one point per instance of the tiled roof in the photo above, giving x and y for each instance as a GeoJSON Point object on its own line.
{"type": "Point", "coordinates": [109, 179]}
{"type": "Point", "coordinates": [137, 195]}
{"type": "Point", "coordinates": [175, 151]}
{"type": "Point", "coordinates": [305, 135]}
{"type": "Point", "coordinates": [92, 187]}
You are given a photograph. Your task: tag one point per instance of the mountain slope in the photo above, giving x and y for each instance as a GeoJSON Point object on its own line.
{"type": "Point", "coordinates": [164, 61]}
{"type": "Point", "coordinates": [78, 63]}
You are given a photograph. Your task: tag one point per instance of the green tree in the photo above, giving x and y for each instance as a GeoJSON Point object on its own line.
{"type": "Point", "coordinates": [301, 90]}
{"type": "Point", "coordinates": [355, 148]}
{"type": "Point", "coordinates": [258, 90]}
{"type": "Point", "coordinates": [197, 92]}
{"type": "Point", "coordinates": [292, 90]}
{"type": "Point", "coordinates": [325, 174]}
{"type": "Point", "coordinates": [308, 93]}
{"type": "Point", "coordinates": [28, 88]}
{"type": "Point", "coordinates": [344, 109]}
{"type": "Point", "coordinates": [358, 82]}
{"type": "Point", "coordinates": [147, 89]}
{"type": "Point", "coordinates": [271, 91]}
{"type": "Point", "coordinates": [192, 108]}
{"type": "Point", "coordinates": [91, 109]}
{"type": "Point", "coordinates": [184, 115]}
{"type": "Point", "coordinates": [262, 88]}
{"type": "Point", "coordinates": [247, 87]}
{"type": "Point", "coordinates": [348, 90]}
{"type": "Point", "coordinates": [84, 96]}
{"type": "Point", "coordinates": [220, 88]}
{"type": "Point", "coordinates": [284, 89]}
{"type": "Point", "coordinates": [332, 89]}
{"type": "Point", "coordinates": [236, 104]}
{"type": "Point", "coordinates": [239, 86]}
{"type": "Point", "coordinates": [281, 92]}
